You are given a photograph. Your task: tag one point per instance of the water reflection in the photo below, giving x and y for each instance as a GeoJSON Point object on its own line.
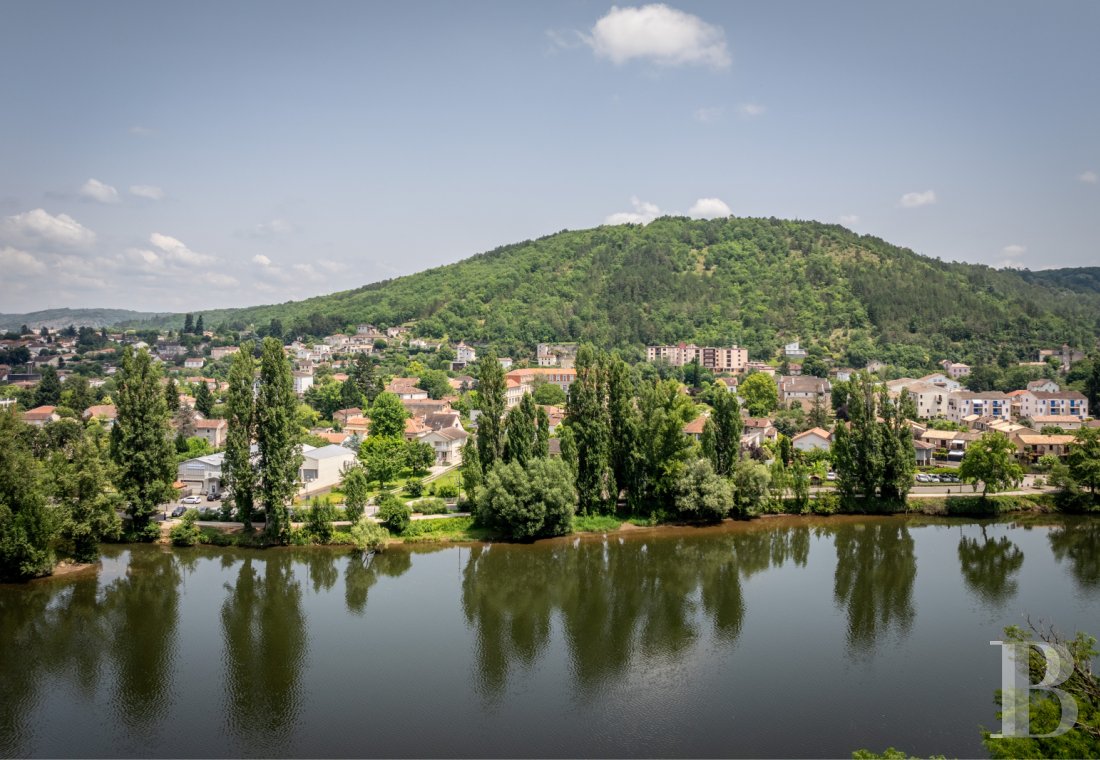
{"type": "Point", "coordinates": [989, 567]}
{"type": "Point", "coordinates": [363, 571]}
{"type": "Point", "coordinates": [875, 569]}
{"type": "Point", "coordinates": [1079, 542]}
{"type": "Point", "coordinates": [617, 600]}
{"type": "Point", "coordinates": [264, 631]}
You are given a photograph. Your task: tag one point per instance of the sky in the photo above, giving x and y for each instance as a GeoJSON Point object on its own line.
{"type": "Point", "coordinates": [185, 156]}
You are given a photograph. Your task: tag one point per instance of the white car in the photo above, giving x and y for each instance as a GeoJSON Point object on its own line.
{"type": "Point", "coordinates": [191, 500]}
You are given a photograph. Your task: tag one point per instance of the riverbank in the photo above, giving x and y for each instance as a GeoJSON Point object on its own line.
{"type": "Point", "coordinates": [460, 528]}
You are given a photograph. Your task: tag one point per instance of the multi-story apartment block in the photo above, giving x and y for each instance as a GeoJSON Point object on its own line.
{"type": "Point", "coordinates": [732, 359]}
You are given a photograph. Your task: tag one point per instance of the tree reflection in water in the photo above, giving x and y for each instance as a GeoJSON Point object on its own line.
{"type": "Point", "coordinates": [989, 567]}
{"type": "Point", "coordinates": [1079, 543]}
{"type": "Point", "coordinates": [875, 569]}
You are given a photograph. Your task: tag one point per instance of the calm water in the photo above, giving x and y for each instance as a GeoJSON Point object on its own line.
{"type": "Point", "coordinates": [772, 638]}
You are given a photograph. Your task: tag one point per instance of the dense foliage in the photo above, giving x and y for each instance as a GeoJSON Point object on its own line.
{"type": "Point", "coordinates": [755, 282]}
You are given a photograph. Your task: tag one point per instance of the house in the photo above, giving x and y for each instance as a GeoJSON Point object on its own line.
{"type": "Point", "coordinates": [194, 362]}
{"type": "Point", "coordinates": [212, 431]}
{"type": "Point", "coordinates": [930, 400]}
{"type": "Point", "coordinates": [875, 366]}
{"type": "Point", "coordinates": [941, 380]}
{"type": "Point", "coordinates": [465, 354]}
{"type": "Point", "coordinates": [513, 392]}
{"type": "Point", "coordinates": [447, 444]}
{"type": "Point", "coordinates": [505, 362]}
{"type": "Point", "coordinates": [794, 370]}
{"type": "Point", "coordinates": [341, 416]}
{"type": "Point", "coordinates": [955, 369]}
{"type": "Point", "coordinates": [528, 378]}
{"type": "Point", "coordinates": [767, 369]}
{"type": "Point", "coordinates": [555, 415]}
{"type": "Point", "coordinates": [804, 390]}
{"type": "Point", "coordinates": [923, 451]}
{"type": "Point", "coordinates": [694, 429]}
{"type": "Point", "coordinates": [40, 416]}
{"type": "Point", "coordinates": [1043, 386]}
{"type": "Point", "coordinates": [814, 439]}
{"type": "Point", "coordinates": [414, 428]}
{"type": "Point", "coordinates": [843, 374]}
{"type": "Point", "coordinates": [421, 407]}
{"type": "Point", "coordinates": [168, 351]}
{"type": "Point", "coordinates": [1031, 446]}
{"type": "Point", "coordinates": [1063, 421]}
{"type": "Point", "coordinates": [203, 475]}
{"type": "Point", "coordinates": [303, 381]}
{"type": "Point", "coordinates": [105, 413]}
{"type": "Point", "coordinates": [323, 467]}
{"type": "Point", "coordinates": [556, 354]}
{"type": "Point", "coordinates": [357, 425]}
{"type": "Point", "coordinates": [729, 383]}
{"type": "Point", "coordinates": [964, 403]}
{"type": "Point", "coordinates": [440, 420]}
{"type": "Point", "coordinates": [332, 436]}
{"type": "Point", "coordinates": [794, 351]}
{"type": "Point", "coordinates": [405, 388]}
{"type": "Point", "coordinates": [462, 382]}
{"type": "Point", "coordinates": [396, 332]}
{"type": "Point", "coordinates": [220, 352]}
{"type": "Point", "coordinates": [1061, 403]}
{"type": "Point", "coordinates": [1065, 356]}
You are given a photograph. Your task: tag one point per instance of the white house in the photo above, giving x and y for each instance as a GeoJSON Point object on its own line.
{"type": "Point", "coordinates": [794, 351]}
{"type": "Point", "coordinates": [323, 467]}
{"type": "Point", "coordinates": [447, 444]}
{"type": "Point", "coordinates": [194, 362]}
{"type": "Point", "coordinates": [465, 354]}
{"type": "Point", "coordinates": [814, 439]}
{"type": "Point", "coordinates": [303, 381]}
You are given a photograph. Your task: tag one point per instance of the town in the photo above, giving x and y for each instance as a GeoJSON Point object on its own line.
{"type": "Point", "coordinates": [382, 420]}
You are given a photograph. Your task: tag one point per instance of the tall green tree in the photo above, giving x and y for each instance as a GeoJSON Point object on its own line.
{"type": "Point", "coordinates": [992, 460]}
{"type": "Point", "coordinates": [204, 399]}
{"type": "Point", "coordinates": [542, 433]}
{"type": "Point", "coordinates": [363, 375]}
{"type": "Point", "coordinates": [725, 428]}
{"type": "Point", "coordinates": [528, 501]}
{"type": "Point", "coordinates": [491, 404]}
{"type": "Point", "coordinates": [356, 486]}
{"type": "Point", "coordinates": [77, 395]}
{"type": "Point", "coordinates": [665, 450]}
{"type": "Point", "coordinates": [899, 458]}
{"type": "Point", "coordinates": [760, 393]}
{"type": "Point", "coordinates": [470, 469]}
{"type": "Point", "coordinates": [277, 439]}
{"type": "Point", "coordinates": [1092, 385]}
{"type": "Point", "coordinates": [48, 390]}
{"type": "Point", "coordinates": [521, 431]}
{"type": "Point", "coordinates": [238, 470]}
{"type": "Point", "coordinates": [89, 503]}
{"type": "Point", "coordinates": [1084, 459]}
{"type": "Point", "coordinates": [701, 494]}
{"type": "Point", "coordinates": [141, 446]}
{"type": "Point", "coordinates": [172, 396]}
{"type": "Point", "coordinates": [199, 327]}
{"type": "Point", "coordinates": [387, 416]}
{"type": "Point", "coordinates": [188, 323]}
{"type": "Point", "coordinates": [384, 457]}
{"type": "Point", "coordinates": [623, 427]}
{"type": "Point", "coordinates": [350, 395]}
{"type": "Point", "coordinates": [26, 526]}
{"type": "Point", "coordinates": [587, 417]}
{"type": "Point", "coordinates": [858, 456]}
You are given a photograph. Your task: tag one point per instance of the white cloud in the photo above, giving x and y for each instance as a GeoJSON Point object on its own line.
{"type": "Point", "coordinates": [177, 252]}
{"type": "Point", "coordinates": [1013, 251]}
{"type": "Point", "coordinates": [41, 227]}
{"type": "Point", "coordinates": [14, 262]}
{"type": "Point", "coordinates": [849, 219]}
{"type": "Point", "coordinates": [94, 190]}
{"type": "Point", "coordinates": [1089, 177]}
{"type": "Point", "coordinates": [262, 260]}
{"type": "Point", "coordinates": [219, 280]}
{"type": "Point", "coordinates": [752, 110]}
{"type": "Point", "coordinates": [707, 115]}
{"type": "Point", "coordinates": [915, 200]}
{"type": "Point", "coordinates": [644, 212]}
{"type": "Point", "coordinates": [152, 192]}
{"type": "Point", "coordinates": [657, 33]}
{"type": "Point", "coordinates": [709, 208]}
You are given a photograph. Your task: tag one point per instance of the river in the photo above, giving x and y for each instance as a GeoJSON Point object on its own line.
{"type": "Point", "coordinates": [780, 637]}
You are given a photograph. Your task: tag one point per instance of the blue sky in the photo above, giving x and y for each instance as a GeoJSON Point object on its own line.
{"type": "Point", "coordinates": [194, 155]}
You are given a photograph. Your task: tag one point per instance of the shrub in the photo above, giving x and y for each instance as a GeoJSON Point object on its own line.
{"type": "Point", "coordinates": [414, 487]}
{"type": "Point", "coordinates": [701, 494]}
{"type": "Point", "coordinates": [186, 533]}
{"type": "Point", "coordinates": [319, 521]}
{"type": "Point", "coordinates": [369, 536]}
{"type": "Point", "coordinates": [433, 505]}
{"type": "Point", "coordinates": [528, 501]}
{"type": "Point", "coordinates": [447, 491]}
{"type": "Point", "coordinates": [394, 514]}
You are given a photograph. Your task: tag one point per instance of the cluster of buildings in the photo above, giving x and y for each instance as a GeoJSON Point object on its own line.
{"type": "Point", "coordinates": [731, 359]}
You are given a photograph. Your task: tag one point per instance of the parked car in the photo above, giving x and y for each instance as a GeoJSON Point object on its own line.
{"type": "Point", "coordinates": [178, 511]}
{"type": "Point", "coordinates": [922, 478]}
{"type": "Point", "coordinates": [190, 500]}
{"type": "Point", "coordinates": [830, 475]}
{"type": "Point", "coordinates": [212, 497]}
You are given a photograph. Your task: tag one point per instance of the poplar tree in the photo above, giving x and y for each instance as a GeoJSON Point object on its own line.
{"type": "Point", "coordinates": [238, 472]}
{"type": "Point", "coordinates": [899, 457]}
{"type": "Point", "coordinates": [491, 403]}
{"type": "Point", "coordinates": [172, 396]}
{"type": "Point", "coordinates": [199, 328]}
{"type": "Point", "coordinates": [542, 434]}
{"type": "Point", "coordinates": [722, 431]}
{"type": "Point", "coordinates": [188, 323]}
{"type": "Point", "coordinates": [81, 487]}
{"type": "Point", "coordinates": [277, 439]}
{"type": "Point", "coordinates": [586, 411]}
{"type": "Point", "coordinates": [204, 399]}
{"type": "Point", "coordinates": [362, 373]}
{"type": "Point", "coordinates": [141, 445]}
{"type": "Point", "coordinates": [521, 431]}
{"type": "Point", "coordinates": [623, 426]}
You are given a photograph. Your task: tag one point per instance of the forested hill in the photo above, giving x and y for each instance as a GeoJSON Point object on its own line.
{"type": "Point", "coordinates": [60, 318]}
{"type": "Point", "coordinates": [754, 282]}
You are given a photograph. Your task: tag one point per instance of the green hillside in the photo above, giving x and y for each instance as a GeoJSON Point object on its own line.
{"type": "Point", "coordinates": [59, 318]}
{"type": "Point", "coordinates": [754, 282]}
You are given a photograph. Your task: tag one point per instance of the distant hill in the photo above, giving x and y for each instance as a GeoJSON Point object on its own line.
{"type": "Point", "coordinates": [58, 318]}
{"type": "Point", "coordinates": [755, 282]}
